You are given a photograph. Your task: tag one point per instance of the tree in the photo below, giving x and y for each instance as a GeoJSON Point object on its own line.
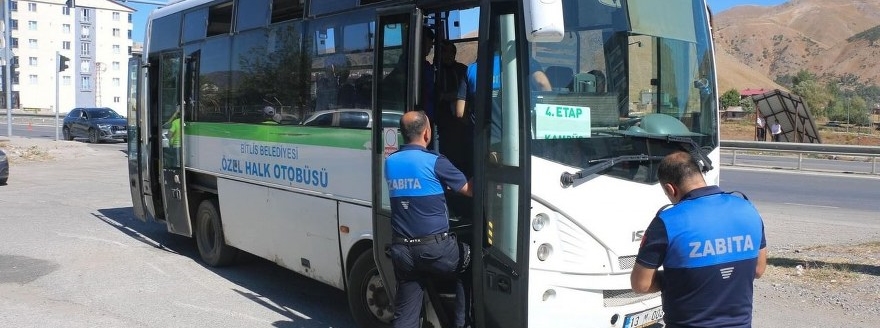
{"type": "Point", "coordinates": [815, 95]}
{"type": "Point", "coordinates": [730, 98]}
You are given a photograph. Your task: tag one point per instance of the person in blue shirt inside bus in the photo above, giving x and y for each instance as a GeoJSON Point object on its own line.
{"type": "Point", "coordinates": [422, 247]}
{"type": "Point", "coordinates": [711, 245]}
{"type": "Point", "coordinates": [467, 90]}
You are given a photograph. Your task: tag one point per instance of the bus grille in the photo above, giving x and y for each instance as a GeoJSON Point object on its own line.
{"type": "Point", "coordinates": [626, 262]}
{"type": "Point", "coordinates": [621, 297]}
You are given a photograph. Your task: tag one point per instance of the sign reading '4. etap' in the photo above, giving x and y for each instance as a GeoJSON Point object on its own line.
{"type": "Point", "coordinates": [561, 121]}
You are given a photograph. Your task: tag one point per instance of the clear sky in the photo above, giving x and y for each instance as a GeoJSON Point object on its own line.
{"type": "Point", "coordinates": [139, 19]}
{"type": "Point", "coordinates": [722, 5]}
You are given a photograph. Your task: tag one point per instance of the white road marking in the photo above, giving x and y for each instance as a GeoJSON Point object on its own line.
{"type": "Point", "coordinates": [810, 205]}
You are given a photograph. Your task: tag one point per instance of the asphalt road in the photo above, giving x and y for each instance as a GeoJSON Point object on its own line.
{"type": "Point", "coordinates": [72, 255]}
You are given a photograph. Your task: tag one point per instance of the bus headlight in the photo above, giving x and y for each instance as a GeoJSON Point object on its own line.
{"type": "Point", "coordinates": [540, 221]}
{"type": "Point", "coordinates": [544, 251]}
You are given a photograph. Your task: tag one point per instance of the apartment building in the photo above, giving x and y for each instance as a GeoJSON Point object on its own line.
{"type": "Point", "coordinates": [94, 34]}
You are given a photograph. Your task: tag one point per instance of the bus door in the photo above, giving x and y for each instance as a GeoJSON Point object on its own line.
{"type": "Point", "coordinates": [502, 196]}
{"type": "Point", "coordinates": [395, 74]}
{"type": "Point", "coordinates": [136, 159]}
{"type": "Point", "coordinates": [172, 116]}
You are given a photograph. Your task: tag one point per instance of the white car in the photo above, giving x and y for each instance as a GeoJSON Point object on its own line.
{"type": "Point", "coordinates": [352, 118]}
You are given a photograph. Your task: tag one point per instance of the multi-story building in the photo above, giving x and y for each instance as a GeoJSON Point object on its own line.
{"type": "Point", "coordinates": [96, 37]}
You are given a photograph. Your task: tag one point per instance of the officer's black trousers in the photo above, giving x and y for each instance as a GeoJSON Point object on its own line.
{"type": "Point", "coordinates": [413, 266]}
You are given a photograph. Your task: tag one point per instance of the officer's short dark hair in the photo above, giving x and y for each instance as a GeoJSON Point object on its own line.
{"type": "Point", "coordinates": [677, 167]}
{"type": "Point", "coordinates": [413, 129]}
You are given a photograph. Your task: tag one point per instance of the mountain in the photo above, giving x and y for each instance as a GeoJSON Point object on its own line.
{"type": "Point", "coordinates": [828, 38]}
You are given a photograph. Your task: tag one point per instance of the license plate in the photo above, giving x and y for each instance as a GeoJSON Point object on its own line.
{"type": "Point", "coordinates": [644, 318]}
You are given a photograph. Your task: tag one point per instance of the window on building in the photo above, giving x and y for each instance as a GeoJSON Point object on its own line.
{"type": "Point", "coordinates": [116, 32]}
{"type": "Point", "coordinates": [65, 45]}
{"type": "Point", "coordinates": [32, 25]}
{"type": "Point", "coordinates": [85, 83]}
{"type": "Point", "coordinates": [116, 99]}
{"type": "Point", "coordinates": [32, 43]}
{"type": "Point", "coordinates": [115, 66]}
{"type": "Point", "coordinates": [116, 82]}
{"type": "Point", "coordinates": [65, 28]}
{"type": "Point", "coordinates": [116, 16]}
{"type": "Point", "coordinates": [85, 66]}
{"type": "Point", "coordinates": [116, 48]}
{"type": "Point", "coordinates": [129, 17]}
{"type": "Point", "coordinates": [65, 80]}
{"type": "Point", "coordinates": [13, 24]}
{"type": "Point", "coordinates": [32, 7]}
{"type": "Point", "coordinates": [86, 15]}
{"type": "Point", "coordinates": [32, 61]}
{"type": "Point", "coordinates": [33, 79]}
{"type": "Point", "coordinates": [14, 43]}
{"type": "Point", "coordinates": [13, 6]}
{"type": "Point", "coordinates": [84, 32]}
{"type": "Point", "coordinates": [85, 48]}
{"type": "Point", "coordinates": [65, 10]}
{"type": "Point", "coordinates": [129, 34]}
{"type": "Point", "coordinates": [15, 79]}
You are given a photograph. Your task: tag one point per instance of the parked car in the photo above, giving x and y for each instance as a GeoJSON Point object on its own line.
{"type": "Point", "coordinates": [4, 168]}
{"type": "Point", "coordinates": [96, 124]}
{"type": "Point", "coordinates": [832, 123]}
{"type": "Point", "coordinates": [351, 118]}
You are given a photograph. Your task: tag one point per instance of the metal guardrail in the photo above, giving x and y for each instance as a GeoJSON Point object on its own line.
{"type": "Point", "coordinates": [801, 149]}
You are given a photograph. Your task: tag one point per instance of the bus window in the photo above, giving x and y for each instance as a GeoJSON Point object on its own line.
{"type": "Point", "coordinates": [220, 19]}
{"type": "Point", "coordinates": [194, 28]}
{"type": "Point", "coordinates": [168, 25]}
{"type": "Point", "coordinates": [284, 10]}
{"type": "Point", "coordinates": [252, 15]}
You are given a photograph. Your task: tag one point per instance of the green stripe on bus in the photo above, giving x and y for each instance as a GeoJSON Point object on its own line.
{"type": "Point", "coordinates": [291, 134]}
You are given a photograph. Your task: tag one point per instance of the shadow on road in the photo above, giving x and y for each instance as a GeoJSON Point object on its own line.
{"type": "Point", "coordinates": [307, 303]}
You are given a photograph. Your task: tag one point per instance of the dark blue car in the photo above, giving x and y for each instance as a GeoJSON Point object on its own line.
{"type": "Point", "coordinates": [96, 124]}
{"type": "Point", "coordinates": [4, 168]}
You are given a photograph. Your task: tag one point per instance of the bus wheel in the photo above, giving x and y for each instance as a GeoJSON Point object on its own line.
{"type": "Point", "coordinates": [209, 236]}
{"type": "Point", "coordinates": [367, 297]}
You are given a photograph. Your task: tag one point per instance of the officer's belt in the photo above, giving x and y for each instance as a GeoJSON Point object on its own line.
{"type": "Point", "coordinates": [435, 238]}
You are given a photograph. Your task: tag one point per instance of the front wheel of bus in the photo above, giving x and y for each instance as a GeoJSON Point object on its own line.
{"type": "Point", "coordinates": [209, 235]}
{"type": "Point", "coordinates": [367, 297]}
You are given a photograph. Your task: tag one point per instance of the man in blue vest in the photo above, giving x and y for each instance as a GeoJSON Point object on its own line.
{"type": "Point", "coordinates": [422, 246]}
{"type": "Point", "coordinates": [711, 245]}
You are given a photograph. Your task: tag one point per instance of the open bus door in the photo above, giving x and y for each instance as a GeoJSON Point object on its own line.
{"type": "Point", "coordinates": [502, 195]}
{"type": "Point", "coordinates": [172, 109]}
{"type": "Point", "coordinates": [398, 69]}
{"type": "Point", "coordinates": [136, 159]}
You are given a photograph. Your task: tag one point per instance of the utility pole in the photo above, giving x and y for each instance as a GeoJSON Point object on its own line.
{"type": "Point", "coordinates": [7, 75]}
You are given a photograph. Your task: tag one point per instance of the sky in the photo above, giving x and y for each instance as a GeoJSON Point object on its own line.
{"type": "Point", "coordinates": [139, 18]}
{"type": "Point", "coordinates": [718, 6]}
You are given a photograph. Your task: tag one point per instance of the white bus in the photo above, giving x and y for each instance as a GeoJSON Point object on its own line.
{"type": "Point", "coordinates": [262, 126]}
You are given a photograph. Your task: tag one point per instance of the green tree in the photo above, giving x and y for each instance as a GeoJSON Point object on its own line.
{"type": "Point", "coordinates": [815, 95]}
{"type": "Point", "coordinates": [730, 98]}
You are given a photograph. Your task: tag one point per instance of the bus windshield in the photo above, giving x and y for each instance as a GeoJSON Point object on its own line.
{"type": "Point", "coordinates": [619, 73]}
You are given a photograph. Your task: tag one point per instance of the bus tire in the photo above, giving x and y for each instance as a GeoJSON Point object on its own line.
{"type": "Point", "coordinates": [368, 300]}
{"type": "Point", "coordinates": [209, 235]}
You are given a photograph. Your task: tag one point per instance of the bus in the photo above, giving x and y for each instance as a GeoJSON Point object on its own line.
{"type": "Point", "coordinates": [262, 126]}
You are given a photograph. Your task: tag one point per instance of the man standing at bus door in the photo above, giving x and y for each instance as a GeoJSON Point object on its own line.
{"type": "Point", "coordinates": [711, 245]}
{"type": "Point", "coordinates": [422, 248]}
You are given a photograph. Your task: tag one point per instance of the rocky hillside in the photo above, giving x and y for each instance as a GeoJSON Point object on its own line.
{"type": "Point", "coordinates": [829, 38]}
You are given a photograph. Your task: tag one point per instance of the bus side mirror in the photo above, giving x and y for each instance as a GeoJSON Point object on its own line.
{"type": "Point", "coordinates": [544, 22]}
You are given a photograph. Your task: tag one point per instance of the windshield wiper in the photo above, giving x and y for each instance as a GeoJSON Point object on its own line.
{"type": "Point", "coordinates": [687, 143]}
{"type": "Point", "coordinates": [599, 165]}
